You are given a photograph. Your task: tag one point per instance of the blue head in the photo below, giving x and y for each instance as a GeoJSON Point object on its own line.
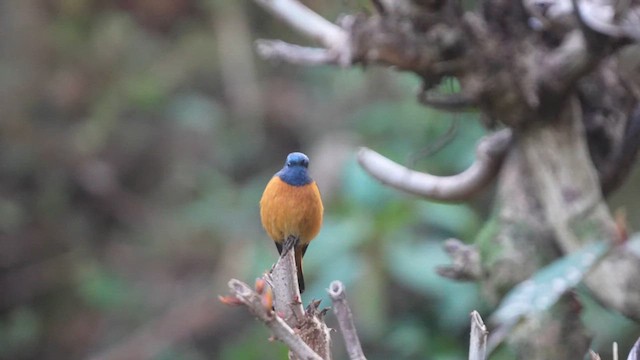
{"type": "Point", "coordinates": [294, 171]}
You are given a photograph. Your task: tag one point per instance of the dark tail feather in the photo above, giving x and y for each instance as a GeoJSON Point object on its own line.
{"type": "Point", "coordinates": [298, 253]}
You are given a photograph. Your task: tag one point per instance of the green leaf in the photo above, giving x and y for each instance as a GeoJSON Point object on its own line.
{"type": "Point", "coordinates": [546, 286]}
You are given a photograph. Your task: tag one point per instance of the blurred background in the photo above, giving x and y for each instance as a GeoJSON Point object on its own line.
{"type": "Point", "coordinates": [136, 137]}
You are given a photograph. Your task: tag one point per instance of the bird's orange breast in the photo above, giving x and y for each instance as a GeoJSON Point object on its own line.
{"type": "Point", "coordinates": [288, 210]}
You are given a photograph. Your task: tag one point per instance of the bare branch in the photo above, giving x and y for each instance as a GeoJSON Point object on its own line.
{"type": "Point", "coordinates": [478, 341]}
{"type": "Point", "coordinates": [345, 320]}
{"type": "Point", "coordinates": [295, 54]}
{"type": "Point", "coordinates": [466, 261]}
{"type": "Point", "coordinates": [490, 153]}
{"type": "Point", "coordinates": [307, 22]}
{"type": "Point", "coordinates": [278, 326]}
{"type": "Point", "coordinates": [284, 279]}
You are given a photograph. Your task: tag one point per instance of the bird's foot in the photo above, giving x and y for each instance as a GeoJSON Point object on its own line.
{"type": "Point", "coordinates": [289, 243]}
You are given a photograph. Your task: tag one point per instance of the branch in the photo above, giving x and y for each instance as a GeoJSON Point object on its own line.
{"type": "Point", "coordinates": [295, 54]}
{"type": "Point", "coordinates": [490, 153]}
{"type": "Point", "coordinates": [278, 326]}
{"type": "Point", "coordinates": [307, 22]}
{"type": "Point", "coordinates": [345, 320]}
{"type": "Point", "coordinates": [478, 341]}
{"type": "Point", "coordinates": [284, 280]}
{"type": "Point", "coordinates": [289, 314]}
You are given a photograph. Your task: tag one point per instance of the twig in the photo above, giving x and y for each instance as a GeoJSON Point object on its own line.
{"type": "Point", "coordinates": [490, 153]}
{"type": "Point", "coordinates": [307, 22]}
{"type": "Point", "coordinates": [295, 54]}
{"type": "Point", "coordinates": [478, 341]}
{"type": "Point", "coordinates": [466, 261]}
{"type": "Point", "coordinates": [278, 326]}
{"type": "Point", "coordinates": [615, 350]}
{"type": "Point", "coordinates": [345, 320]}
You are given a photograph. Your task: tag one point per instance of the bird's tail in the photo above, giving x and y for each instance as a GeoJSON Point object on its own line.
{"type": "Point", "coordinates": [299, 251]}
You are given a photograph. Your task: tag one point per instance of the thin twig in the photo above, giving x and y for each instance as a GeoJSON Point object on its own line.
{"type": "Point", "coordinates": [307, 22]}
{"type": "Point", "coordinates": [345, 320]}
{"type": "Point", "coordinates": [460, 187]}
{"type": "Point", "coordinates": [278, 326]}
{"type": "Point", "coordinates": [478, 341]}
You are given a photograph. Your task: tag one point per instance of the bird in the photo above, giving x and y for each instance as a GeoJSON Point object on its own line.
{"type": "Point", "coordinates": [291, 209]}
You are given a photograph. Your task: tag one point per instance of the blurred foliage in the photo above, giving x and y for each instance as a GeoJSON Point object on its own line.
{"type": "Point", "coordinates": [136, 137]}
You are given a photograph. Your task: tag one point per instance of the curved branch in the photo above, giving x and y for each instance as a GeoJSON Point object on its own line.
{"type": "Point", "coordinates": [490, 153]}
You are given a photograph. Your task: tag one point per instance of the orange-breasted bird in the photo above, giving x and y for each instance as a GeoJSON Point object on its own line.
{"type": "Point", "coordinates": [291, 209]}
